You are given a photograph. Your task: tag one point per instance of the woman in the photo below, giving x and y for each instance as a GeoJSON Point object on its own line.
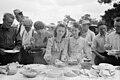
{"type": "Point", "coordinates": [40, 38]}
{"type": "Point", "coordinates": [57, 45]}
{"type": "Point", "coordinates": [78, 48]}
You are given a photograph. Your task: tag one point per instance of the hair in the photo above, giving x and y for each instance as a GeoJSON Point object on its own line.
{"type": "Point", "coordinates": [60, 25]}
{"type": "Point", "coordinates": [8, 15]}
{"type": "Point", "coordinates": [78, 26]}
{"type": "Point", "coordinates": [39, 25]}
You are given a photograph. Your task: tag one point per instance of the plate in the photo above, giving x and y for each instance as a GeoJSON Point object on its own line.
{"type": "Point", "coordinates": [113, 52]}
{"type": "Point", "coordinates": [11, 51]}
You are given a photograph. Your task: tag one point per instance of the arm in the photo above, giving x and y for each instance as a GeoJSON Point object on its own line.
{"type": "Point", "coordinates": [92, 38]}
{"type": "Point", "coordinates": [94, 45]}
{"type": "Point", "coordinates": [48, 48]}
{"type": "Point", "coordinates": [87, 50]}
{"type": "Point", "coordinates": [18, 41]}
{"type": "Point", "coordinates": [107, 43]}
{"type": "Point", "coordinates": [64, 55]}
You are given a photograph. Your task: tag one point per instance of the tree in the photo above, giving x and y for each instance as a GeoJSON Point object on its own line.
{"type": "Point", "coordinates": [110, 14]}
{"type": "Point", "coordinates": [105, 1]}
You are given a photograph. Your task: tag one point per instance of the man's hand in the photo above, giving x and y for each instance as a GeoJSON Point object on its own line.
{"type": "Point", "coordinates": [64, 58]}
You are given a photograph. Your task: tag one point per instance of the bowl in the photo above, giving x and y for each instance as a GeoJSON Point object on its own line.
{"type": "Point", "coordinates": [29, 74]}
{"type": "Point", "coordinates": [86, 65]}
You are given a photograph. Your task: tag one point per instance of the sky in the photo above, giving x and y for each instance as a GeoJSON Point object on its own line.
{"type": "Point", "coordinates": [51, 11]}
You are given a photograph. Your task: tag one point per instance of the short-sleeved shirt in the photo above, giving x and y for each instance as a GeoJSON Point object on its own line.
{"type": "Point", "coordinates": [98, 43]}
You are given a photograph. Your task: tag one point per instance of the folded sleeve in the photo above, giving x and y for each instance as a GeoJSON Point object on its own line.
{"type": "Point", "coordinates": [87, 50]}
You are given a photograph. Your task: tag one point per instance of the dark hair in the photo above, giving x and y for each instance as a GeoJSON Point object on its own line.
{"type": "Point", "coordinates": [60, 25]}
{"type": "Point", "coordinates": [78, 26]}
{"type": "Point", "coordinates": [8, 15]}
{"type": "Point", "coordinates": [39, 25]}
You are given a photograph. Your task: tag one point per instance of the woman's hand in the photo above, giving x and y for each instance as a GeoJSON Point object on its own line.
{"type": "Point", "coordinates": [47, 58]}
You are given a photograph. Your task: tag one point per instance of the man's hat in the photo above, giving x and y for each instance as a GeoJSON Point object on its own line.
{"type": "Point", "coordinates": [27, 21]}
{"type": "Point", "coordinates": [85, 22]}
{"type": "Point", "coordinates": [17, 11]}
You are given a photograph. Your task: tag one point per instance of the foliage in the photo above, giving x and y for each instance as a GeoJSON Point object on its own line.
{"type": "Point", "coordinates": [105, 1]}
{"type": "Point", "coordinates": [110, 14]}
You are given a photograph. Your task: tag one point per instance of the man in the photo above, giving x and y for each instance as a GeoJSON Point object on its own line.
{"type": "Point", "coordinates": [113, 40]}
{"type": "Point", "coordinates": [19, 17]}
{"type": "Point", "coordinates": [88, 35]}
{"type": "Point", "coordinates": [98, 46]}
{"type": "Point", "coordinates": [26, 41]}
{"type": "Point", "coordinates": [9, 40]}
{"type": "Point", "coordinates": [86, 32]}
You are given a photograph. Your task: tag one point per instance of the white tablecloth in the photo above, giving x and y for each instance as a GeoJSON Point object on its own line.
{"type": "Point", "coordinates": [19, 76]}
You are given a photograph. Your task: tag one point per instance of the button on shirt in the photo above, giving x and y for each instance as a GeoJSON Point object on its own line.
{"type": "Point", "coordinates": [26, 38]}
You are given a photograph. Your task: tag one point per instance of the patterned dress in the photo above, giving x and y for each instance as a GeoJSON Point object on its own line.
{"type": "Point", "coordinates": [56, 49]}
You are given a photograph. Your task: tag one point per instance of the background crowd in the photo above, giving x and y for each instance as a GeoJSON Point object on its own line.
{"type": "Point", "coordinates": [39, 43]}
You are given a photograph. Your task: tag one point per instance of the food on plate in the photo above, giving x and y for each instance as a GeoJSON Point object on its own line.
{"type": "Point", "coordinates": [59, 63]}
{"type": "Point", "coordinates": [29, 74]}
{"type": "Point", "coordinates": [103, 70]}
{"type": "Point", "coordinates": [54, 73]}
{"type": "Point", "coordinates": [72, 61]}
{"type": "Point", "coordinates": [106, 73]}
{"type": "Point", "coordinates": [12, 68]}
{"type": "Point", "coordinates": [94, 72]}
{"type": "Point", "coordinates": [86, 60]}
{"type": "Point", "coordinates": [35, 67]}
{"type": "Point", "coordinates": [86, 65]}
{"type": "Point", "coordinates": [76, 72]}
{"type": "Point", "coordinates": [70, 74]}
{"type": "Point", "coordinates": [3, 70]}
{"type": "Point", "coordinates": [106, 66]}
{"type": "Point", "coordinates": [9, 69]}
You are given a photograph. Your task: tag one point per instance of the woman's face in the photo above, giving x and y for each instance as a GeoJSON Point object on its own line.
{"type": "Point", "coordinates": [75, 31]}
{"type": "Point", "coordinates": [60, 31]}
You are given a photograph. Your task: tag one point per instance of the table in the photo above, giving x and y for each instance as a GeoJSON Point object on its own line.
{"type": "Point", "coordinates": [19, 76]}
